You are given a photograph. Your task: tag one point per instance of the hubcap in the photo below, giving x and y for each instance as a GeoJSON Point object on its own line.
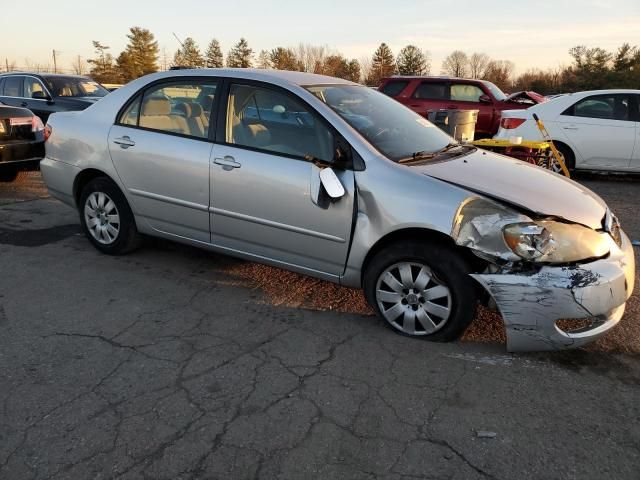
{"type": "Point", "coordinates": [412, 299]}
{"type": "Point", "coordinates": [102, 218]}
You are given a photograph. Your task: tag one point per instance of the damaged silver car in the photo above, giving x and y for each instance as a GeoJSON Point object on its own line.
{"type": "Point", "coordinates": [335, 180]}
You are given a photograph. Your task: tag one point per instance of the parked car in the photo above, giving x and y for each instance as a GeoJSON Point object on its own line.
{"type": "Point", "coordinates": [45, 93]}
{"type": "Point", "coordinates": [596, 130]}
{"type": "Point", "coordinates": [421, 94]}
{"type": "Point", "coordinates": [332, 179]}
{"type": "Point", "coordinates": [21, 142]}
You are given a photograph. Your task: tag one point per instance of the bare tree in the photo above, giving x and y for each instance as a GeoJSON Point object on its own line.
{"type": "Point", "coordinates": [311, 56]}
{"type": "Point", "coordinates": [365, 68]}
{"type": "Point", "coordinates": [500, 72]}
{"type": "Point", "coordinates": [478, 63]}
{"type": "Point", "coordinates": [456, 64]}
{"type": "Point", "coordinates": [79, 66]}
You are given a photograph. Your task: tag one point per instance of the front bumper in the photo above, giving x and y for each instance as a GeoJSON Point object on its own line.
{"type": "Point", "coordinates": [532, 304]}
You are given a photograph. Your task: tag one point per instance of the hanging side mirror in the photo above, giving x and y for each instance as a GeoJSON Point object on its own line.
{"type": "Point", "coordinates": [331, 183]}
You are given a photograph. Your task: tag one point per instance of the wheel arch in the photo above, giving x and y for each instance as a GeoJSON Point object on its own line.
{"type": "Point", "coordinates": [570, 162]}
{"type": "Point", "coordinates": [84, 177]}
{"type": "Point", "coordinates": [420, 234]}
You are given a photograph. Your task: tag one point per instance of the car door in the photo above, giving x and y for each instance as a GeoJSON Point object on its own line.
{"type": "Point", "coordinates": [429, 95]}
{"type": "Point", "coordinates": [466, 96]}
{"type": "Point", "coordinates": [161, 147]}
{"type": "Point", "coordinates": [261, 181]}
{"type": "Point", "coordinates": [42, 107]}
{"type": "Point", "coordinates": [12, 91]}
{"type": "Point", "coordinates": [634, 164]}
{"type": "Point", "coordinates": [600, 130]}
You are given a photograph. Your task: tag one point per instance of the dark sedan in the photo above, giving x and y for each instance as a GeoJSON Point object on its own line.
{"type": "Point", "coordinates": [21, 142]}
{"type": "Point", "coordinates": [45, 93]}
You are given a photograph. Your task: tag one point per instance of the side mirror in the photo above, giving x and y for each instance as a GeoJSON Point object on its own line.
{"type": "Point", "coordinates": [484, 98]}
{"type": "Point", "coordinates": [40, 95]}
{"type": "Point", "coordinates": [331, 183]}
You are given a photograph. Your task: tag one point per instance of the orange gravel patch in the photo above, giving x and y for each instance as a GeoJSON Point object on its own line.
{"type": "Point", "coordinates": [290, 289]}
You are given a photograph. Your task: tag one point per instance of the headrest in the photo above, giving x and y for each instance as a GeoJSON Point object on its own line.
{"type": "Point", "coordinates": [260, 134]}
{"type": "Point", "coordinates": [156, 106]}
{"type": "Point", "coordinates": [189, 110]}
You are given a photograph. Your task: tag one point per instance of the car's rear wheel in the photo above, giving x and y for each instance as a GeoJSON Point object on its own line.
{"type": "Point", "coordinates": [106, 218]}
{"type": "Point", "coordinates": [567, 156]}
{"type": "Point", "coordinates": [422, 290]}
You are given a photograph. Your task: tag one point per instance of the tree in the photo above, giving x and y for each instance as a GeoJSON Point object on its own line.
{"type": "Point", "coordinates": [140, 56]}
{"type": "Point", "coordinates": [353, 71]}
{"type": "Point", "coordinates": [213, 56]}
{"type": "Point", "coordinates": [189, 55]}
{"type": "Point", "coordinates": [382, 64]}
{"type": "Point", "coordinates": [284, 59]}
{"type": "Point", "coordinates": [264, 60]}
{"type": "Point", "coordinates": [103, 67]}
{"type": "Point", "coordinates": [311, 56]}
{"type": "Point", "coordinates": [478, 63]}
{"type": "Point", "coordinates": [79, 66]}
{"type": "Point", "coordinates": [456, 64]}
{"type": "Point", "coordinates": [499, 72]}
{"type": "Point", "coordinates": [240, 56]}
{"type": "Point", "coordinates": [412, 61]}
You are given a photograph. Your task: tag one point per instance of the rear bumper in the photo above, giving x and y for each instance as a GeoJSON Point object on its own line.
{"type": "Point", "coordinates": [59, 177]}
{"type": "Point", "coordinates": [532, 304]}
{"type": "Point", "coordinates": [21, 155]}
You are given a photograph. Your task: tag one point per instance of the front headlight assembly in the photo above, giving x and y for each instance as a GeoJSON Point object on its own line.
{"type": "Point", "coordinates": [548, 241]}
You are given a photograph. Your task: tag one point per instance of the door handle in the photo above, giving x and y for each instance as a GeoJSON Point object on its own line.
{"type": "Point", "coordinates": [570, 128]}
{"type": "Point", "coordinates": [227, 161]}
{"type": "Point", "coordinates": [24, 104]}
{"type": "Point", "coordinates": [452, 107]}
{"type": "Point", "coordinates": [124, 142]}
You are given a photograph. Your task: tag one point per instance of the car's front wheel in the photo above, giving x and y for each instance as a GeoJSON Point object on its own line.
{"type": "Point", "coordinates": [422, 289]}
{"type": "Point", "coordinates": [106, 218]}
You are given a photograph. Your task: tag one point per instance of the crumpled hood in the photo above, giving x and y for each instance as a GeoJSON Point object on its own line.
{"type": "Point", "coordinates": [521, 184]}
{"type": "Point", "coordinates": [526, 97]}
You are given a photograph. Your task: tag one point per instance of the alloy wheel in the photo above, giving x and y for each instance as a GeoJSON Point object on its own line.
{"type": "Point", "coordinates": [102, 218]}
{"type": "Point", "coordinates": [412, 299]}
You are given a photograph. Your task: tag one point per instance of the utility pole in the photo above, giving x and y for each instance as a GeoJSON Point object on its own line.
{"type": "Point", "coordinates": [6, 62]}
{"type": "Point", "coordinates": [55, 62]}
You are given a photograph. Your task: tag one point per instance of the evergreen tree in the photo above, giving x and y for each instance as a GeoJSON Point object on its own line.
{"type": "Point", "coordinates": [411, 61]}
{"type": "Point", "coordinates": [189, 55]}
{"type": "Point", "coordinates": [284, 59]}
{"type": "Point", "coordinates": [213, 55]}
{"type": "Point", "coordinates": [240, 56]}
{"type": "Point", "coordinates": [382, 65]}
{"type": "Point", "coordinates": [353, 71]}
{"type": "Point", "coordinates": [140, 56]}
{"type": "Point", "coordinates": [103, 67]}
{"type": "Point", "coordinates": [264, 60]}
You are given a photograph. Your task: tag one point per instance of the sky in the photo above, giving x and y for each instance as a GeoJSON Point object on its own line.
{"type": "Point", "coordinates": [531, 34]}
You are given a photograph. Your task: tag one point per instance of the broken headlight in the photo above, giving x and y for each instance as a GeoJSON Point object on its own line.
{"type": "Point", "coordinates": [554, 242]}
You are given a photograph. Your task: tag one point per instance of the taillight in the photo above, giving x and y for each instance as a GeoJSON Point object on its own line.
{"type": "Point", "coordinates": [36, 124]}
{"type": "Point", "coordinates": [47, 132]}
{"type": "Point", "coordinates": [511, 123]}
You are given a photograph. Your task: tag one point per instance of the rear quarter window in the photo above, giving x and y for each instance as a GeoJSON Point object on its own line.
{"type": "Point", "coordinates": [394, 88]}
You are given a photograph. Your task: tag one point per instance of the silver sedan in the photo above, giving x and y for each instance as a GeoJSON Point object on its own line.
{"type": "Point", "coordinates": [334, 180]}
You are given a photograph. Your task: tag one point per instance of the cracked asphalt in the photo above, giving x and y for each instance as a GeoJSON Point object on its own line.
{"type": "Point", "coordinates": [163, 364]}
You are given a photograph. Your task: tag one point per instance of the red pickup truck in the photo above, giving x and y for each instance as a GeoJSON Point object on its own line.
{"type": "Point", "coordinates": [428, 93]}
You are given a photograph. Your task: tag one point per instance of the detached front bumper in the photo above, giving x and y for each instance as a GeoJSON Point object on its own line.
{"type": "Point", "coordinates": [532, 304]}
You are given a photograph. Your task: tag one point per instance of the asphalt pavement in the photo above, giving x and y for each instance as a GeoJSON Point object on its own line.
{"type": "Point", "coordinates": [174, 363]}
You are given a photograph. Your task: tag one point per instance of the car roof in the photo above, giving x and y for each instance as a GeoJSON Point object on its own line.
{"type": "Point", "coordinates": [433, 77]}
{"type": "Point", "coordinates": [42, 75]}
{"type": "Point", "coordinates": [259, 74]}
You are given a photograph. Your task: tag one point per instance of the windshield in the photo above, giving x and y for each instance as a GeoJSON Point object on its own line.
{"type": "Point", "coordinates": [390, 127]}
{"type": "Point", "coordinates": [495, 91]}
{"type": "Point", "coordinates": [75, 87]}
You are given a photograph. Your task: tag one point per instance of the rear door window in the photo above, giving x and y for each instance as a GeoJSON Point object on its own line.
{"type": "Point", "coordinates": [1, 86]}
{"type": "Point", "coordinates": [605, 107]}
{"type": "Point", "coordinates": [432, 90]}
{"type": "Point", "coordinates": [395, 87]}
{"type": "Point", "coordinates": [13, 86]}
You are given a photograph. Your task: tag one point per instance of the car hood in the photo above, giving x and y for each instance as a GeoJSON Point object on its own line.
{"type": "Point", "coordinates": [521, 184]}
{"type": "Point", "coordinates": [520, 97]}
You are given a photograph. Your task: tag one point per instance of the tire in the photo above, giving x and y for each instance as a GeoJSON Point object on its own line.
{"type": "Point", "coordinates": [8, 176]}
{"type": "Point", "coordinates": [567, 155]}
{"type": "Point", "coordinates": [106, 218]}
{"type": "Point", "coordinates": [439, 310]}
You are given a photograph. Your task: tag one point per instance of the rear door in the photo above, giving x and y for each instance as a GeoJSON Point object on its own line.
{"type": "Point", "coordinates": [161, 146]}
{"type": "Point", "coordinates": [12, 91]}
{"type": "Point", "coordinates": [261, 178]}
{"type": "Point", "coordinates": [601, 130]}
{"type": "Point", "coordinates": [429, 95]}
